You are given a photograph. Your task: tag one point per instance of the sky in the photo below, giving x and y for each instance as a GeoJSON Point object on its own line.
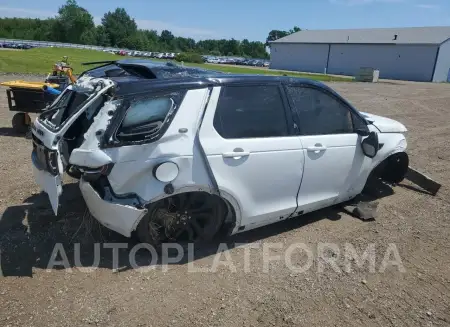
{"type": "Point", "coordinates": [251, 19]}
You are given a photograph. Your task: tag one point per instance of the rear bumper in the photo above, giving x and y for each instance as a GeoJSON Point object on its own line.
{"type": "Point", "coordinates": [120, 218]}
{"type": "Point", "coordinates": [50, 184]}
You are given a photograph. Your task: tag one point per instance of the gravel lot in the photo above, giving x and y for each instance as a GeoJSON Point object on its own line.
{"type": "Point", "coordinates": [417, 223]}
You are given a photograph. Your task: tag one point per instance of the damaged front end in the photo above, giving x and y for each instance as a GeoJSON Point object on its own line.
{"type": "Point", "coordinates": [66, 139]}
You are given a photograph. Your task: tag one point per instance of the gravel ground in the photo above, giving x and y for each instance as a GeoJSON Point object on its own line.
{"type": "Point", "coordinates": [418, 224]}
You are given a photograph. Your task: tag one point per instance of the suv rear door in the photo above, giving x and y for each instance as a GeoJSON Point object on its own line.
{"type": "Point", "coordinates": [249, 141]}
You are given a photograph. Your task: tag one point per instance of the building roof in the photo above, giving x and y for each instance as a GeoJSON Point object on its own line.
{"type": "Point", "coordinates": [405, 35]}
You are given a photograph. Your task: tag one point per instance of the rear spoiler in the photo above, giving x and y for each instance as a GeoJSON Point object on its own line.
{"type": "Point", "coordinates": [131, 68]}
{"type": "Point", "coordinates": [99, 62]}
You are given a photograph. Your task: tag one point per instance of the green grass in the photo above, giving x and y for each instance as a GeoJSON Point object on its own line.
{"type": "Point", "coordinates": [40, 61]}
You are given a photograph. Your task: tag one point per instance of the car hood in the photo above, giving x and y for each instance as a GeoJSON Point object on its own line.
{"type": "Point", "coordinates": [385, 125]}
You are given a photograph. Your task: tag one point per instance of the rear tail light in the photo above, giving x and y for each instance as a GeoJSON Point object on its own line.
{"type": "Point", "coordinates": [52, 162]}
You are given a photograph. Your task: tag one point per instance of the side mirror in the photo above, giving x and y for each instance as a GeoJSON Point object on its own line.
{"type": "Point", "coordinates": [362, 132]}
{"type": "Point", "coordinates": [370, 145]}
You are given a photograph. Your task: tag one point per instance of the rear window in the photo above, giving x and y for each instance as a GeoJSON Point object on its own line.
{"type": "Point", "coordinates": [250, 112]}
{"type": "Point", "coordinates": [147, 117]}
{"type": "Point", "coordinates": [67, 105]}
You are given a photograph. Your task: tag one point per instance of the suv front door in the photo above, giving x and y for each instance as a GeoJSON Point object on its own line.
{"type": "Point", "coordinates": [255, 157]}
{"type": "Point", "coordinates": [334, 159]}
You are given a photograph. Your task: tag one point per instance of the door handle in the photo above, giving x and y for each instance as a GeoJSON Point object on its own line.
{"type": "Point", "coordinates": [316, 148]}
{"type": "Point", "coordinates": [235, 154]}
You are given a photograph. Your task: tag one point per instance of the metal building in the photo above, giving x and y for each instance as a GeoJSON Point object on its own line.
{"type": "Point", "coordinates": [408, 53]}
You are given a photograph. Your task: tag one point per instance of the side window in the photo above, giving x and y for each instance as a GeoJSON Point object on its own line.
{"type": "Point", "coordinates": [319, 113]}
{"type": "Point", "coordinates": [146, 116]}
{"type": "Point", "coordinates": [250, 112]}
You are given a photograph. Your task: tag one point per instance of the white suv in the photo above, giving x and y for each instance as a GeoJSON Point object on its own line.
{"type": "Point", "coordinates": [177, 153]}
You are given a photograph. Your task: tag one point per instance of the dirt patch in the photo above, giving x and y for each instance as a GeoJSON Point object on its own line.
{"type": "Point", "coordinates": [416, 223]}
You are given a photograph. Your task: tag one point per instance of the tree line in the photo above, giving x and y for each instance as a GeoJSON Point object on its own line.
{"type": "Point", "coordinates": [74, 24]}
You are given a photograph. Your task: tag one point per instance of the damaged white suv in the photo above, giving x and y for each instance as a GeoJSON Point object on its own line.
{"type": "Point", "coordinates": [177, 153]}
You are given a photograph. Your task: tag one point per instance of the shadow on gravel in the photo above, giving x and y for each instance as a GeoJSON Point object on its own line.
{"type": "Point", "coordinates": [9, 131]}
{"type": "Point", "coordinates": [29, 233]}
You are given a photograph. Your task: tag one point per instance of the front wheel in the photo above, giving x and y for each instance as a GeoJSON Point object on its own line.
{"type": "Point", "coordinates": [183, 218]}
{"type": "Point", "coordinates": [396, 168]}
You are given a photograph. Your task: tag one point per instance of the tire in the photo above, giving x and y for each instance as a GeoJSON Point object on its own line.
{"type": "Point", "coordinates": [20, 122]}
{"type": "Point", "coordinates": [396, 168]}
{"type": "Point", "coordinates": [147, 233]}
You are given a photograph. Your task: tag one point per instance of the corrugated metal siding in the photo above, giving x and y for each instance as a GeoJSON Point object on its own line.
{"type": "Point", "coordinates": [405, 35]}
{"type": "Point", "coordinates": [300, 57]}
{"type": "Point", "coordinates": [442, 70]}
{"type": "Point", "coordinates": [405, 62]}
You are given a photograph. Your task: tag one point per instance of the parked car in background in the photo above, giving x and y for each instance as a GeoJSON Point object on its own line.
{"type": "Point", "coordinates": [11, 45]}
{"type": "Point", "coordinates": [213, 60]}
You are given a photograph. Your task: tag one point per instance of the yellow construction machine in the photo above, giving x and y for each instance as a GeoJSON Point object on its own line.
{"type": "Point", "coordinates": [26, 97]}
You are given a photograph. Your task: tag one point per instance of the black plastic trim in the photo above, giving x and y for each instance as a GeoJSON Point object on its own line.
{"type": "Point", "coordinates": [197, 139]}
{"type": "Point", "coordinates": [433, 72]}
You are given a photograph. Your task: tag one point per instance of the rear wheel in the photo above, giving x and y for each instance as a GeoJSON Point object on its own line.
{"type": "Point", "coordinates": [21, 122]}
{"type": "Point", "coordinates": [184, 218]}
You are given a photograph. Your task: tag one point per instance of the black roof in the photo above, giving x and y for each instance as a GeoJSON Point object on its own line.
{"type": "Point", "coordinates": [146, 69]}
{"type": "Point", "coordinates": [134, 86]}
{"type": "Point", "coordinates": [134, 76]}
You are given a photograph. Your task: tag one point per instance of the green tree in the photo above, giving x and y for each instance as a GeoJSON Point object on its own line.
{"type": "Point", "coordinates": [73, 22]}
{"type": "Point", "coordinates": [89, 37]}
{"type": "Point", "coordinates": [275, 35]}
{"type": "Point", "coordinates": [101, 36]}
{"type": "Point", "coordinates": [153, 40]}
{"type": "Point", "coordinates": [295, 30]}
{"type": "Point", "coordinates": [167, 40]}
{"type": "Point", "coordinates": [232, 46]}
{"type": "Point", "coordinates": [278, 34]}
{"type": "Point", "coordinates": [119, 26]}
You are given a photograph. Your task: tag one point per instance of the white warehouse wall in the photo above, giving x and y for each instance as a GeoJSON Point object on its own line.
{"type": "Point", "coordinates": [404, 62]}
{"type": "Point", "coordinates": [442, 70]}
{"type": "Point", "coordinates": [299, 57]}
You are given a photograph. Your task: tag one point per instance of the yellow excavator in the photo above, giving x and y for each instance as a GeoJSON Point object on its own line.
{"type": "Point", "coordinates": [26, 97]}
